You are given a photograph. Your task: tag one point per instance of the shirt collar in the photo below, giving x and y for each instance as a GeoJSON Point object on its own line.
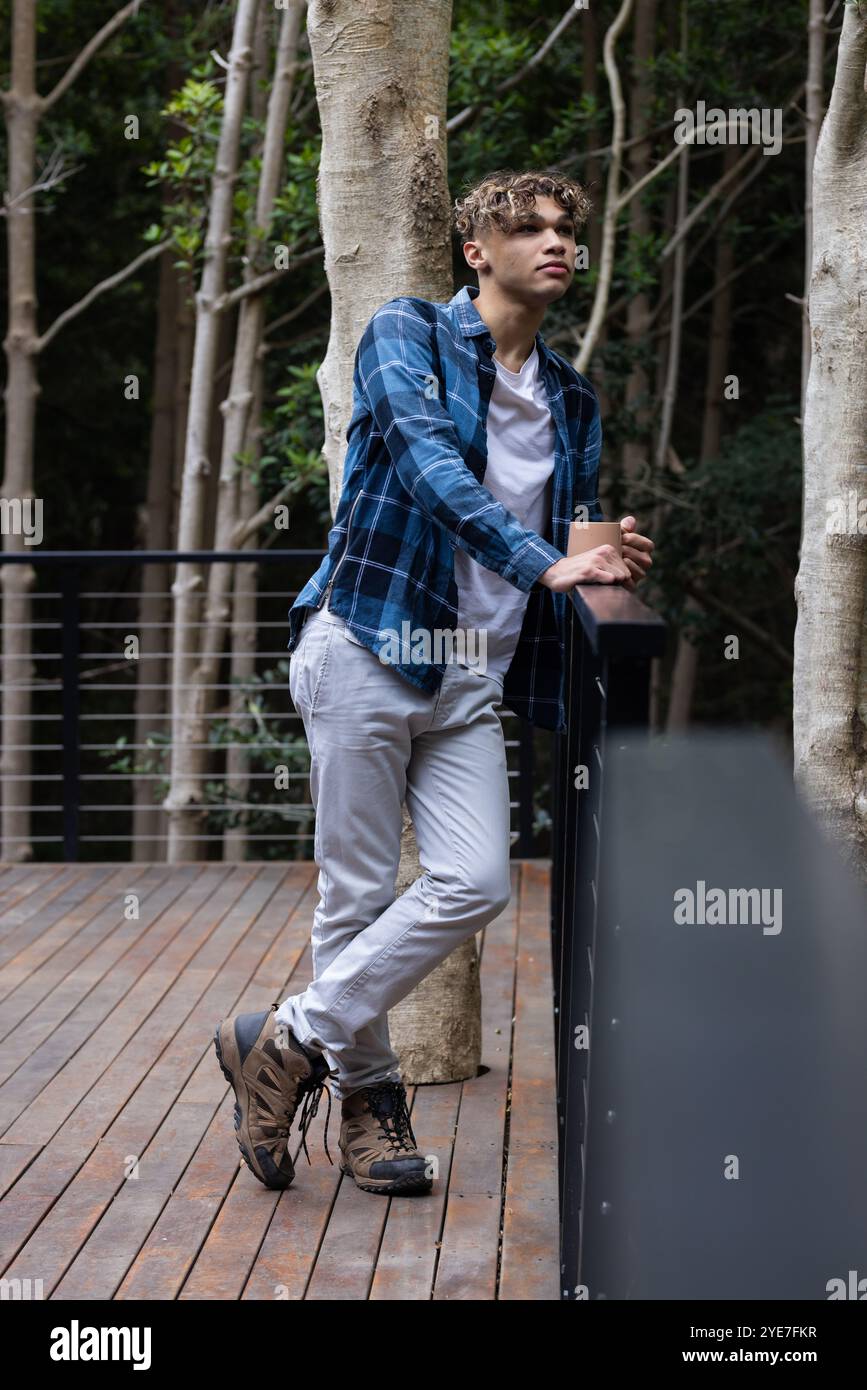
{"type": "Point", "coordinates": [472, 323]}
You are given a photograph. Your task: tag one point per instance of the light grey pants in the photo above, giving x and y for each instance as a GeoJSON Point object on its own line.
{"type": "Point", "coordinates": [376, 741]}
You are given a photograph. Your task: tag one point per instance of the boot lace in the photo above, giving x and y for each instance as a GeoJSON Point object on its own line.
{"type": "Point", "coordinates": [312, 1096]}
{"type": "Point", "coordinates": [312, 1090]}
{"type": "Point", "coordinates": [387, 1101]}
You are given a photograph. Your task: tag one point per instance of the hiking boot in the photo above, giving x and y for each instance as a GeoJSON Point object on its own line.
{"type": "Point", "coordinates": [271, 1073]}
{"type": "Point", "coordinates": [377, 1142]}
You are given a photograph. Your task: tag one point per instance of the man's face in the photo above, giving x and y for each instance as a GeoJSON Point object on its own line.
{"type": "Point", "coordinates": [516, 261]}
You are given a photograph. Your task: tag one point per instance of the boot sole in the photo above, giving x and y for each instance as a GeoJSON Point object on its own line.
{"type": "Point", "coordinates": [226, 1062]}
{"type": "Point", "coordinates": [387, 1187]}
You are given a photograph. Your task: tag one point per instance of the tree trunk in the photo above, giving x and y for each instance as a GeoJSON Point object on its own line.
{"type": "Point", "coordinates": [381, 83]}
{"type": "Point", "coordinates": [22, 110]}
{"type": "Point", "coordinates": [672, 369]}
{"type": "Point", "coordinates": [830, 671]}
{"type": "Point", "coordinates": [638, 308]}
{"type": "Point", "coordinates": [184, 801]}
{"type": "Point", "coordinates": [436, 1029]}
{"type": "Point", "coordinates": [244, 578]}
{"type": "Point", "coordinates": [686, 661]}
{"type": "Point", "coordinates": [666, 283]}
{"type": "Point", "coordinates": [668, 374]}
{"type": "Point", "coordinates": [235, 409]}
{"type": "Point", "coordinates": [593, 182]}
{"type": "Point", "coordinates": [243, 636]}
{"type": "Point", "coordinates": [150, 701]}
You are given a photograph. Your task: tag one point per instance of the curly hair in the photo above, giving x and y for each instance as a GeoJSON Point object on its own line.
{"type": "Point", "coordinates": [505, 197]}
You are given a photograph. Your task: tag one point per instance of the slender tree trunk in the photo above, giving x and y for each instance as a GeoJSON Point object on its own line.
{"type": "Point", "coordinates": [672, 369]}
{"type": "Point", "coordinates": [243, 633]}
{"type": "Point", "coordinates": [830, 670]}
{"type": "Point", "coordinates": [186, 337]}
{"type": "Point", "coordinates": [381, 82]}
{"type": "Point", "coordinates": [720, 335]}
{"type": "Point", "coordinates": [235, 408]}
{"type": "Point", "coordinates": [22, 109]}
{"type": "Point", "coordinates": [686, 661]}
{"type": "Point", "coordinates": [638, 309]}
{"type": "Point", "coordinates": [184, 802]}
{"type": "Point", "coordinates": [593, 180]}
{"type": "Point", "coordinates": [666, 285]}
{"type": "Point", "coordinates": [150, 700]}
{"type": "Point", "coordinates": [244, 578]}
{"type": "Point", "coordinates": [612, 207]}
{"type": "Point", "coordinates": [673, 267]}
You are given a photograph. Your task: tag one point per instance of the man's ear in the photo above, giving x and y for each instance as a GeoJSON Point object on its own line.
{"type": "Point", "coordinates": [476, 256]}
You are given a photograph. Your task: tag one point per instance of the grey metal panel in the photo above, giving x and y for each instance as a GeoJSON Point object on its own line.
{"type": "Point", "coordinates": [729, 1040]}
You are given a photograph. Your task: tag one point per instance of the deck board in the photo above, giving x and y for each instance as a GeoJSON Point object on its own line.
{"type": "Point", "coordinates": [119, 1171]}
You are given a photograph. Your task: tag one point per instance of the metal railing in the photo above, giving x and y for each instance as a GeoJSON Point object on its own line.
{"type": "Point", "coordinates": [80, 735]}
{"type": "Point", "coordinates": [611, 638]}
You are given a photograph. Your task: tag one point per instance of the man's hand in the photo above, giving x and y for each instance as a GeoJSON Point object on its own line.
{"type": "Point", "coordinates": [636, 552]}
{"type": "Point", "coordinates": [602, 565]}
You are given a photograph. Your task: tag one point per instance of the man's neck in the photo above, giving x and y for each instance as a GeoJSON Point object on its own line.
{"type": "Point", "coordinates": [513, 326]}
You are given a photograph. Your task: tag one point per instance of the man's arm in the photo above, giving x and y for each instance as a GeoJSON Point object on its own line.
{"type": "Point", "coordinates": [592, 454]}
{"type": "Point", "coordinates": [394, 364]}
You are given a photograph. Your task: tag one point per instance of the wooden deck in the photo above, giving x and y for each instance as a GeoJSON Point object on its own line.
{"type": "Point", "coordinates": [120, 1174]}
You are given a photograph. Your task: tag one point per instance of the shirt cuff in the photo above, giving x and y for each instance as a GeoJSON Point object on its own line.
{"type": "Point", "coordinates": [531, 561]}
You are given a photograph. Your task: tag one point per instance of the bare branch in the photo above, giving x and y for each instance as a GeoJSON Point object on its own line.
{"type": "Point", "coordinates": [713, 192]}
{"type": "Point", "coordinates": [117, 279]}
{"type": "Point", "coordinates": [469, 112]}
{"type": "Point", "coordinates": [609, 222]}
{"type": "Point", "coordinates": [90, 48]}
{"type": "Point", "coordinates": [672, 156]}
{"type": "Point", "coordinates": [53, 173]}
{"type": "Point", "coordinates": [715, 289]}
{"type": "Point", "coordinates": [766, 638]}
{"type": "Point", "coordinates": [245, 529]}
{"type": "Point", "coordinates": [606, 149]}
{"type": "Point", "coordinates": [262, 282]}
{"type": "Point", "coordinates": [725, 208]}
{"type": "Point", "coordinates": [295, 313]}
{"type": "Point", "coordinates": [298, 310]}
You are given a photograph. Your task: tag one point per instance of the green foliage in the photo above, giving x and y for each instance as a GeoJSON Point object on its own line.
{"type": "Point", "coordinates": [732, 529]}
{"type": "Point", "coordinates": [296, 457]}
{"type": "Point", "coordinates": [186, 171]}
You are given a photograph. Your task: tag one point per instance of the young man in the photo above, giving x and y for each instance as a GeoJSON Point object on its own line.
{"type": "Point", "coordinates": [471, 448]}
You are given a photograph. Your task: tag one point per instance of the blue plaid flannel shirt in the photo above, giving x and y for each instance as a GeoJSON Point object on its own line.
{"type": "Point", "coordinates": [413, 490]}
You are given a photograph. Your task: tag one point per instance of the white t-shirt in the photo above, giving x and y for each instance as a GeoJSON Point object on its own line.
{"type": "Point", "coordinates": [519, 470]}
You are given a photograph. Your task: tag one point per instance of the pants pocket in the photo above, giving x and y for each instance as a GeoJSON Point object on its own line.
{"type": "Point", "coordinates": [350, 637]}
{"type": "Point", "coordinates": [306, 664]}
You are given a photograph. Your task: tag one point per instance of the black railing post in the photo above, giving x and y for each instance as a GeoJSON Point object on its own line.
{"type": "Point", "coordinates": [609, 638]}
{"type": "Point", "coordinates": [562, 814]}
{"type": "Point", "coordinates": [71, 699]}
{"type": "Point", "coordinates": [567, 946]}
{"type": "Point", "coordinates": [579, 936]}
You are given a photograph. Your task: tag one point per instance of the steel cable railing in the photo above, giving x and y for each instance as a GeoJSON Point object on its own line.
{"type": "Point", "coordinates": [81, 789]}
